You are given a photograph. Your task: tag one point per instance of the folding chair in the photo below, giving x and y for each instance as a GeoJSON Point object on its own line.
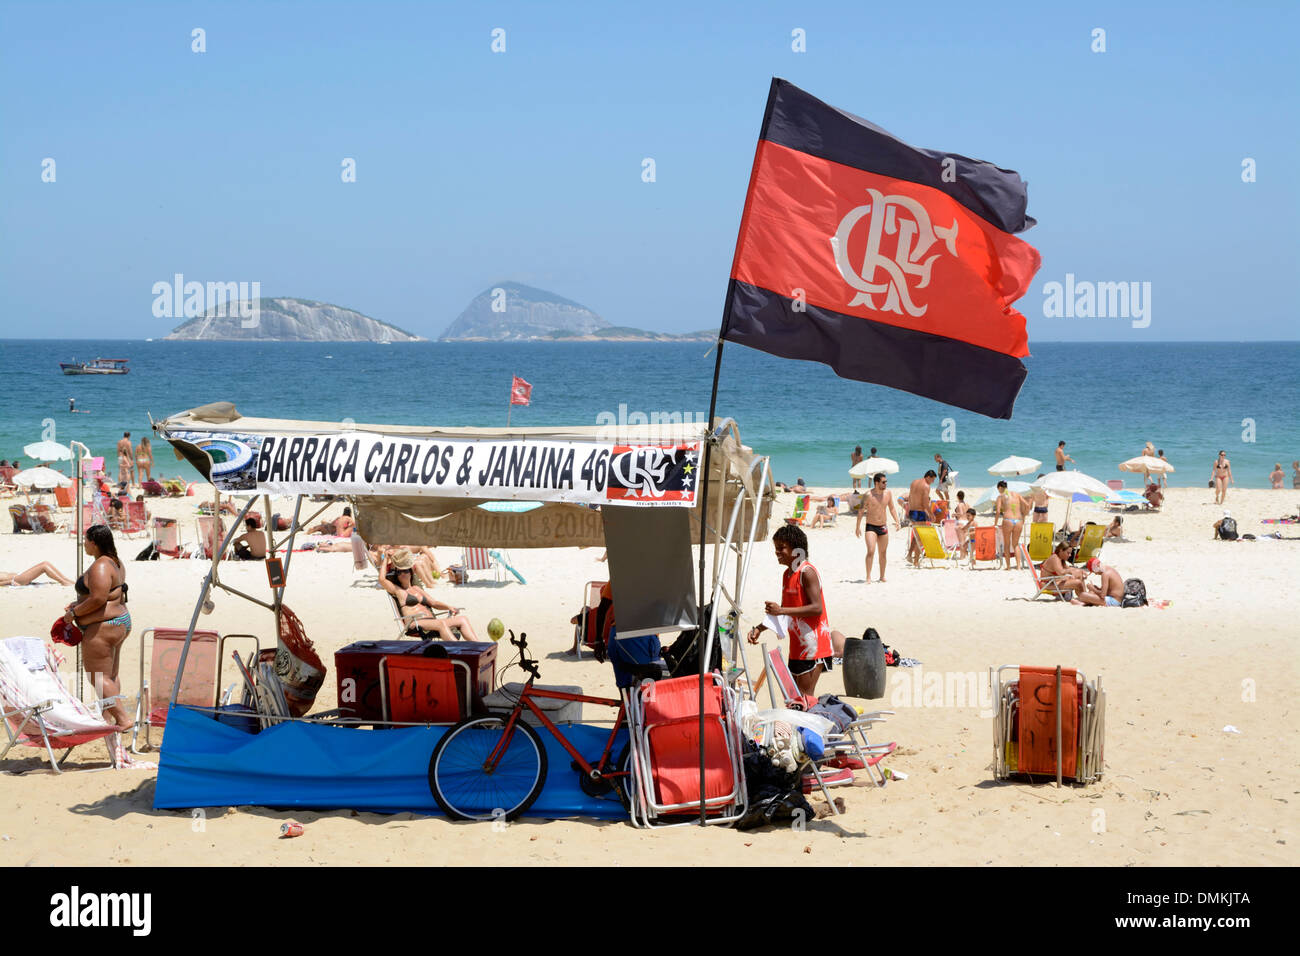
{"type": "Point", "coordinates": [927, 539]}
{"type": "Point", "coordinates": [65, 499]}
{"type": "Point", "coordinates": [137, 520]}
{"type": "Point", "coordinates": [38, 710]}
{"type": "Point", "coordinates": [1050, 584]}
{"type": "Point", "coordinates": [1025, 724]}
{"type": "Point", "coordinates": [1040, 540]}
{"type": "Point", "coordinates": [42, 519]}
{"type": "Point", "coordinates": [593, 628]}
{"type": "Point", "coordinates": [853, 737]}
{"type": "Point", "coordinates": [1090, 542]}
{"type": "Point", "coordinates": [167, 537]}
{"type": "Point", "coordinates": [800, 513]}
{"type": "Point", "coordinates": [987, 546]}
{"type": "Point", "coordinates": [431, 690]}
{"type": "Point", "coordinates": [199, 685]}
{"type": "Point", "coordinates": [481, 559]}
{"type": "Point", "coordinates": [22, 519]}
{"type": "Point", "coordinates": [664, 718]}
{"type": "Point", "coordinates": [212, 531]}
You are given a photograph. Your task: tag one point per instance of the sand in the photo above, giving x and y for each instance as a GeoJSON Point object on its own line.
{"type": "Point", "coordinates": [1177, 790]}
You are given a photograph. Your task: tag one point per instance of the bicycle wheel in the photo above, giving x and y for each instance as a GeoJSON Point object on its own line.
{"type": "Point", "coordinates": [466, 790]}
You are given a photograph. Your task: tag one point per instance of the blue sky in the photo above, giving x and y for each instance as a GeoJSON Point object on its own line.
{"type": "Point", "coordinates": [474, 166]}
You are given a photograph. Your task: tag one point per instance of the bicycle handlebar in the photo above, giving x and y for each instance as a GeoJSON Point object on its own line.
{"type": "Point", "coordinates": [525, 662]}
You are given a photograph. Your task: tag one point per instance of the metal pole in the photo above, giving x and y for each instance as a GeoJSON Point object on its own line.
{"type": "Point", "coordinates": [704, 535]}
{"type": "Point", "coordinates": [81, 552]}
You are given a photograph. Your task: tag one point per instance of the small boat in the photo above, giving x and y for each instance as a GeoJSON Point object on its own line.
{"type": "Point", "coordinates": [99, 366]}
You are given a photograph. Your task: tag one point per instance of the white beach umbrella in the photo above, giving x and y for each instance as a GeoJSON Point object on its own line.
{"type": "Point", "coordinates": [41, 478]}
{"type": "Point", "coordinates": [1066, 484]}
{"type": "Point", "coordinates": [1019, 487]}
{"type": "Point", "coordinates": [871, 466]}
{"type": "Point", "coordinates": [47, 451]}
{"type": "Point", "coordinates": [1144, 464]}
{"type": "Point", "coordinates": [1014, 465]}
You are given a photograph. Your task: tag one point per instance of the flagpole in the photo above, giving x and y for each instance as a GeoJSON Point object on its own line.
{"type": "Point", "coordinates": [701, 640]}
{"type": "Point", "coordinates": [510, 407]}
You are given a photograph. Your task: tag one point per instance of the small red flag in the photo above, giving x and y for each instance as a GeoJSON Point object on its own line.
{"type": "Point", "coordinates": [520, 391]}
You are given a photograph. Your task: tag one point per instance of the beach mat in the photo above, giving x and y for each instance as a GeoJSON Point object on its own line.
{"type": "Point", "coordinates": [293, 764]}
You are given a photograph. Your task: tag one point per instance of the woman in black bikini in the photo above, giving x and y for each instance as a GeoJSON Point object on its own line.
{"type": "Point", "coordinates": [417, 607]}
{"type": "Point", "coordinates": [100, 611]}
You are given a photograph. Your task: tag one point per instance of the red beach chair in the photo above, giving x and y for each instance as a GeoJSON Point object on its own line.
{"type": "Point", "coordinates": [167, 537]}
{"type": "Point", "coordinates": [987, 547]}
{"type": "Point", "coordinates": [1024, 727]}
{"type": "Point", "coordinates": [665, 718]}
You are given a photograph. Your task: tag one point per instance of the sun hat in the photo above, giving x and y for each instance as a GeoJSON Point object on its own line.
{"type": "Point", "coordinates": [401, 560]}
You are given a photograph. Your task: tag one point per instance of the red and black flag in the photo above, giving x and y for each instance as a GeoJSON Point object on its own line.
{"type": "Point", "coordinates": [889, 263]}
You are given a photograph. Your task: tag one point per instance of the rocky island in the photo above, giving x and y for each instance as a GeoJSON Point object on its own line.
{"type": "Point", "coordinates": [512, 312]}
{"type": "Point", "coordinates": [288, 320]}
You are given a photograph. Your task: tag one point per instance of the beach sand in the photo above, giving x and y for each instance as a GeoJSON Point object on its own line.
{"type": "Point", "coordinates": [1177, 790]}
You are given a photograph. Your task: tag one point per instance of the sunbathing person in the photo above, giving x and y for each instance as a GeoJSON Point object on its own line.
{"type": "Point", "coordinates": [340, 527]}
{"type": "Point", "coordinates": [1154, 496]}
{"type": "Point", "coordinates": [825, 512]}
{"type": "Point", "coordinates": [12, 579]}
{"type": "Point", "coordinates": [395, 574]}
{"type": "Point", "coordinates": [1115, 529]}
{"type": "Point", "coordinates": [251, 545]}
{"type": "Point", "coordinates": [1109, 591]}
{"type": "Point", "coordinates": [1073, 580]}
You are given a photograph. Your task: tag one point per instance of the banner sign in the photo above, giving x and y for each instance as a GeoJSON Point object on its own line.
{"type": "Point", "coordinates": [358, 463]}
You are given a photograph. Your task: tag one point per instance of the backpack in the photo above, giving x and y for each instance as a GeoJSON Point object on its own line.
{"type": "Point", "coordinates": [1135, 593]}
{"type": "Point", "coordinates": [1228, 529]}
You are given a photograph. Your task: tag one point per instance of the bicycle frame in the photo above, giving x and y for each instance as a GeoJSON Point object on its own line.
{"type": "Point", "coordinates": [526, 699]}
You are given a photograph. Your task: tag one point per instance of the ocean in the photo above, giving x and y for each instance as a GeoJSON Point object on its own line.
{"type": "Point", "coordinates": [1104, 399]}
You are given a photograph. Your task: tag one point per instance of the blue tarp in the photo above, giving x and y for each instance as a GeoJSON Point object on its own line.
{"type": "Point", "coordinates": [207, 764]}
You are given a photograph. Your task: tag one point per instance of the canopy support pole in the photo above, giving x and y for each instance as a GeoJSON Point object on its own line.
{"type": "Point", "coordinates": [81, 551]}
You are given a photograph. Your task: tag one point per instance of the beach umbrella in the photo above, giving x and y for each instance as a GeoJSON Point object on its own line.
{"type": "Point", "coordinates": [47, 451]}
{"type": "Point", "coordinates": [1145, 464]}
{"type": "Point", "coordinates": [1014, 465]}
{"type": "Point", "coordinates": [41, 478]}
{"type": "Point", "coordinates": [1073, 486]}
{"type": "Point", "coordinates": [1019, 487]}
{"type": "Point", "coordinates": [1124, 496]}
{"type": "Point", "coordinates": [871, 466]}
{"type": "Point", "coordinates": [1066, 484]}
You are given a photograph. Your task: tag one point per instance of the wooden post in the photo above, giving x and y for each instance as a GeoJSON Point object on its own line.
{"type": "Point", "coordinates": [1058, 725]}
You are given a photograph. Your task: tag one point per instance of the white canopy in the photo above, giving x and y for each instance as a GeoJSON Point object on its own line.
{"type": "Point", "coordinates": [1014, 465]}
{"type": "Point", "coordinates": [1144, 464]}
{"type": "Point", "coordinates": [41, 477]}
{"type": "Point", "coordinates": [47, 451]}
{"type": "Point", "coordinates": [1066, 484]}
{"type": "Point", "coordinates": [874, 466]}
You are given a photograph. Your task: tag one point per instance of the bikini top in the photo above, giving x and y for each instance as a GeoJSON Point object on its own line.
{"type": "Point", "coordinates": [413, 601]}
{"type": "Point", "coordinates": [84, 591]}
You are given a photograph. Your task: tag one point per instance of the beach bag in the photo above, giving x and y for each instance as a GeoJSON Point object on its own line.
{"type": "Point", "coordinates": [1135, 593]}
{"type": "Point", "coordinates": [835, 710]}
{"type": "Point", "coordinates": [1228, 529]}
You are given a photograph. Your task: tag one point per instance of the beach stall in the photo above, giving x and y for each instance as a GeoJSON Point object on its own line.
{"type": "Point", "coordinates": [648, 494]}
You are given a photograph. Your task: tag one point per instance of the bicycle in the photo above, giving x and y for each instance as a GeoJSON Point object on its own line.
{"type": "Point", "coordinates": [494, 767]}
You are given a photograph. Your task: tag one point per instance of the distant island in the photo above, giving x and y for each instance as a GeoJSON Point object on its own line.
{"type": "Point", "coordinates": [289, 320]}
{"type": "Point", "coordinates": [512, 312]}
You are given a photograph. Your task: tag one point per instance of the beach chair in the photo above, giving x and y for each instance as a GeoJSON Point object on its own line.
{"type": "Point", "coordinates": [167, 537]}
{"type": "Point", "coordinates": [987, 546]}
{"type": "Point", "coordinates": [42, 519]}
{"type": "Point", "coordinates": [431, 690]}
{"type": "Point", "coordinates": [950, 536]}
{"type": "Point", "coordinates": [1090, 542]}
{"type": "Point", "coordinates": [1046, 584]}
{"type": "Point", "coordinates": [212, 531]}
{"type": "Point", "coordinates": [1040, 540]}
{"type": "Point", "coordinates": [1115, 484]}
{"type": "Point", "coordinates": [135, 520]}
{"type": "Point", "coordinates": [483, 559]}
{"type": "Point", "coordinates": [1024, 725]}
{"type": "Point", "coordinates": [927, 539]}
{"type": "Point", "coordinates": [593, 628]}
{"type": "Point", "coordinates": [22, 519]}
{"type": "Point", "coordinates": [800, 513]}
{"type": "Point", "coordinates": [664, 717]}
{"type": "Point", "coordinates": [65, 498]}
{"type": "Point", "coordinates": [199, 686]}
{"type": "Point", "coordinates": [38, 710]}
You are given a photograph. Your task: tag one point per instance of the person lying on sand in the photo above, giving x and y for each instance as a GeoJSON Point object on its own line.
{"type": "Point", "coordinates": [21, 578]}
{"type": "Point", "coordinates": [340, 527]}
{"type": "Point", "coordinates": [1115, 529]}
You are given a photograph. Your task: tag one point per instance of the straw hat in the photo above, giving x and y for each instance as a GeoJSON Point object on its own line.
{"type": "Point", "coordinates": [401, 560]}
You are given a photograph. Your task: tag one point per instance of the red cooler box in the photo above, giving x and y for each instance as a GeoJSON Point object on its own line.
{"type": "Point", "coordinates": [357, 671]}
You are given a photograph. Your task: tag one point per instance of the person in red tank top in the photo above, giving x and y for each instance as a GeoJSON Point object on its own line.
{"type": "Point", "coordinates": [801, 615]}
